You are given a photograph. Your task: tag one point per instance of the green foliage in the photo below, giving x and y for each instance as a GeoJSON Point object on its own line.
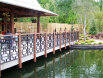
{"type": "Point", "coordinates": [93, 29]}
{"type": "Point", "coordinates": [83, 43]}
{"type": "Point", "coordinates": [89, 43]}
{"type": "Point", "coordinates": [100, 43]}
{"type": "Point", "coordinates": [76, 43]}
{"type": "Point", "coordinates": [92, 40]}
{"type": "Point", "coordinates": [95, 44]}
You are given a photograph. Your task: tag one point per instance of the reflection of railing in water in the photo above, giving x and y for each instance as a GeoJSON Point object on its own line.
{"type": "Point", "coordinates": [11, 47]}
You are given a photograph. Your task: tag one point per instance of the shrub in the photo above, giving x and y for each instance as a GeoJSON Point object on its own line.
{"type": "Point", "coordinates": [76, 43]}
{"type": "Point", "coordinates": [89, 35]}
{"type": "Point", "coordinates": [83, 43]}
{"type": "Point", "coordinates": [92, 40]}
{"type": "Point", "coordinates": [95, 44]}
{"type": "Point", "coordinates": [100, 43]}
{"type": "Point", "coordinates": [80, 38]}
{"type": "Point", "coordinates": [89, 43]}
{"type": "Point", "coordinates": [93, 29]}
{"type": "Point", "coordinates": [87, 38]}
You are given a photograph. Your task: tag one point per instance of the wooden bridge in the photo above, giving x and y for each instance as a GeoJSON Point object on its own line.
{"type": "Point", "coordinates": [19, 48]}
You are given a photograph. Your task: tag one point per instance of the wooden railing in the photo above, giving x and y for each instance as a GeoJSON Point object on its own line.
{"type": "Point", "coordinates": [17, 46]}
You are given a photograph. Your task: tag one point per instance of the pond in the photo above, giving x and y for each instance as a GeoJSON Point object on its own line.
{"type": "Point", "coordinates": [66, 64]}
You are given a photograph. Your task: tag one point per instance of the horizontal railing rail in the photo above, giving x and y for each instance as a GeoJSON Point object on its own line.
{"type": "Point", "coordinates": [19, 45]}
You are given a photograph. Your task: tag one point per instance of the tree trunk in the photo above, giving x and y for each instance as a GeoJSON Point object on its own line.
{"type": "Point", "coordinates": [84, 30]}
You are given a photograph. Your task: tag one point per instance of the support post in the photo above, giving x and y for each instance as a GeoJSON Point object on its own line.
{"type": "Point", "coordinates": [54, 42]}
{"type": "Point", "coordinates": [73, 37]}
{"type": "Point", "coordinates": [20, 62]}
{"type": "Point", "coordinates": [60, 40]}
{"type": "Point", "coordinates": [0, 65]}
{"type": "Point", "coordinates": [78, 36]}
{"type": "Point", "coordinates": [69, 38]}
{"type": "Point", "coordinates": [46, 44]}
{"type": "Point", "coordinates": [65, 39]}
{"type": "Point", "coordinates": [38, 23]}
{"type": "Point", "coordinates": [34, 47]}
{"type": "Point", "coordinates": [12, 22]}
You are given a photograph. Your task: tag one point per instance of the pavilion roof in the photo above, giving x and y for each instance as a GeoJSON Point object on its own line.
{"type": "Point", "coordinates": [31, 5]}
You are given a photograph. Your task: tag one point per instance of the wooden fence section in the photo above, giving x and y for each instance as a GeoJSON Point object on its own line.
{"type": "Point", "coordinates": [16, 49]}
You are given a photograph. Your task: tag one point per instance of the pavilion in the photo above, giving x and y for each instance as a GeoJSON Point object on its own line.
{"type": "Point", "coordinates": [21, 8]}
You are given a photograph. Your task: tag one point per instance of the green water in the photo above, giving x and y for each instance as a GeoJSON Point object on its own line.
{"type": "Point", "coordinates": [67, 64]}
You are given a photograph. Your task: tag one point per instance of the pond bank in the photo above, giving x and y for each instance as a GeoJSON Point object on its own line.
{"type": "Point", "coordinates": [86, 46]}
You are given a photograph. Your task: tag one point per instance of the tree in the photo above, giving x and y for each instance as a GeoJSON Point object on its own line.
{"type": "Point", "coordinates": [85, 10]}
{"type": "Point", "coordinates": [93, 29]}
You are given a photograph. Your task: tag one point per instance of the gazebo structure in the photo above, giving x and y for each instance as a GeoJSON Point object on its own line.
{"type": "Point", "coordinates": [20, 8]}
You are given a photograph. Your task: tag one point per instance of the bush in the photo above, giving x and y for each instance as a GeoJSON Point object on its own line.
{"type": "Point", "coordinates": [95, 44]}
{"type": "Point", "coordinates": [92, 40]}
{"type": "Point", "coordinates": [89, 43]}
{"type": "Point", "coordinates": [76, 43]}
{"type": "Point", "coordinates": [100, 43]}
{"type": "Point", "coordinates": [93, 29]}
{"type": "Point", "coordinates": [83, 43]}
{"type": "Point", "coordinates": [87, 38]}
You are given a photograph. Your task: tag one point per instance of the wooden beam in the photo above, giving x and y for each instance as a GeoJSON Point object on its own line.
{"type": "Point", "coordinates": [12, 22]}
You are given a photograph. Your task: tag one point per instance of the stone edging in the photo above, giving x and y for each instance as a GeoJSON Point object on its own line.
{"type": "Point", "coordinates": [86, 46]}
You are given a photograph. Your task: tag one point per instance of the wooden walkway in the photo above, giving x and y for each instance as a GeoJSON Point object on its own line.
{"type": "Point", "coordinates": [20, 48]}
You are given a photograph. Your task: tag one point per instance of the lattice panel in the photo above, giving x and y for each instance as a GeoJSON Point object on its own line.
{"type": "Point", "coordinates": [63, 38]}
{"type": "Point", "coordinates": [68, 34]}
{"type": "Point", "coordinates": [9, 49]}
{"type": "Point", "coordinates": [71, 36]}
{"type": "Point", "coordinates": [24, 45]}
{"type": "Point", "coordinates": [30, 44]}
{"type": "Point", "coordinates": [49, 41]}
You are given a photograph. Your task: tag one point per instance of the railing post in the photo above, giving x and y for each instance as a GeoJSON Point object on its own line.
{"type": "Point", "coordinates": [46, 44]}
{"type": "Point", "coordinates": [73, 36]}
{"type": "Point", "coordinates": [69, 38]}
{"type": "Point", "coordinates": [65, 39]}
{"type": "Point", "coordinates": [54, 42]}
{"type": "Point", "coordinates": [0, 65]}
{"type": "Point", "coordinates": [20, 62]}
{"type": "Point", "coordinates": [34, 47]}
{"type": "Point", "coordinates": [60, 40]}
{"type": "Point", "coordinates": [76, 36]}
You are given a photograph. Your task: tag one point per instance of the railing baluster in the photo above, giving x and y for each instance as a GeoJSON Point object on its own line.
{"type": "Point", "coordinates": [34, 47]}
{"type": "Point", "coordinates": [20, 62]}
{"type": "Point", "coordinates": [54, 42]}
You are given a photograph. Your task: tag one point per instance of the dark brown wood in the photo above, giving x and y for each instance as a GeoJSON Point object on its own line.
{"type": "Point", "coordinates": [60, 40]}
{"type": "Point", "coordinates": [65, 39]}
{"type": "Point", "coordinates": [69, 38]}
{"type": "Point", "coordinates": [0, 67]}
{"type": "Point", "coordinates": [54, 42]}
{"type": "Point", "coordinates": [38, 24]}
{"type": "Point", "coordinates": [76, 35]}
{"type": "Point", "coordinates": [34, 47]}
{"type": "Point", "coordinates": [12, 22]}
{"type": "Point", "coordinates": [20, 62]}
{"type": "Point", "coordinates": [73, 37]}
{"type": "Point", "coordinates": [46, 44]}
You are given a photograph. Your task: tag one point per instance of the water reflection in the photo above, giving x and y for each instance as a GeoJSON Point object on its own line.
{"type": "Point", "coordinates": [70, 64]}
